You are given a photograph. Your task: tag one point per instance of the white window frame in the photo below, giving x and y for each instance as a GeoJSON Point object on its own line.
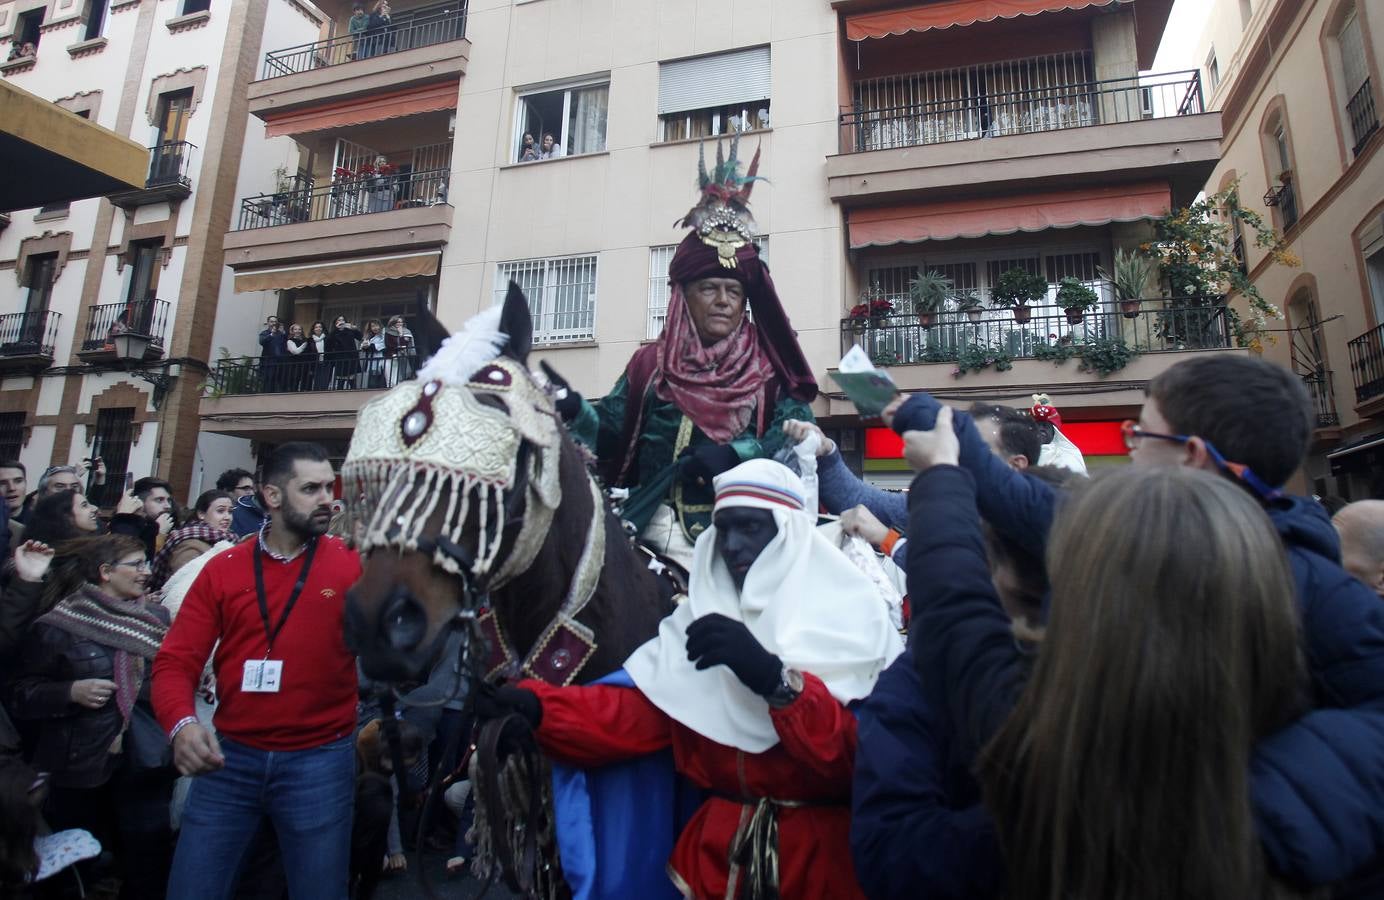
{"type": "Point", "coordinates": [539, 306]}
{"type": "Point", "coordinates": [1213, 71]}
{"type": "Point", "coordinates": [567, 87]}
{"type": "Point", "coordinates": [661, 292]}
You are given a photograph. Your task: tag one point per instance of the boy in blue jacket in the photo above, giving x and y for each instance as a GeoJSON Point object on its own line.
{"type": "Point", "coordinates": [1317, 790]}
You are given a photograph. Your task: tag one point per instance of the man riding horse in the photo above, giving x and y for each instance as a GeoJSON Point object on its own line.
{"type": "Point", "coordinates": [714, 390]}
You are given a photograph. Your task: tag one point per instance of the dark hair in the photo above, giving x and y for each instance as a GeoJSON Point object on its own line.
{"type": "Point", "coordinates": [1256, 413]}
{"type": "Point", "coordinates": [51, 521]}
{"type": "Point", "coordinates": [207, 498]}
{"type": "Point", "coordinates": [19, 822]}
{"type": "Point", "coordinates": [143, 486]}
{"type": "Point", "coordinates": [89, 554]}
{"type": "Point", "coordinates": [231, 477]}
{"type": "Point", "coordinates": [281, 462]}
{"type": "Point", "coordinates": [14, 464]}
{"type": "Point", "coordinates": [1018, 433]}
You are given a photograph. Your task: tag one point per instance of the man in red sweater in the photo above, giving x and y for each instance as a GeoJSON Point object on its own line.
{"type": "Point", "coordinates": [287, 690]}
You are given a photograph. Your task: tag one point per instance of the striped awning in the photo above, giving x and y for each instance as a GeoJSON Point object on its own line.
{"type": "Point", "coordinates": [955, 12]}
{"type": "Point", "coordinates": [374, 268]}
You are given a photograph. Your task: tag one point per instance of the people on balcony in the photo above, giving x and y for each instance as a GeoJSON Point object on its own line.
{"type": "Point", "coordinates": [322, 372]}
{"type": "Point", "coordinates": [398, 346]}
{"type": "Point", "coordinates": [372, 355]}
{"type": "Point", "coordinates": [302, 359]}
{"type": "Point", "coordinates": [379, 34]}
{"type": "Point", "coordinates": [341, 351]}
{"type": "Point", "coordinates": [357, 25]}
{"type": "Point", "coordinates": [273, 351]}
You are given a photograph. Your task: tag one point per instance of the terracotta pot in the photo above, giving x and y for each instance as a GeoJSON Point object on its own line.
{"type": "Point", "coordinates": [974, 314]}
{"type": "Point", "coordinates": [1130, 308]}
{"type": "Point", "coordinates": [1022, 314]}
{"type": "Point", "coordinates": [1074, 316]}
{"type": "Point", "coordinates": [927, 319]}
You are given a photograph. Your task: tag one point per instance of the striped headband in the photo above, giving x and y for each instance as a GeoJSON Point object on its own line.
{"type": "Point", "coordinates": [756, 494]}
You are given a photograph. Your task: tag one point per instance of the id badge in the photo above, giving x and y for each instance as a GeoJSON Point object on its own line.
{"type": "Point", "coordinates": [262, 676]}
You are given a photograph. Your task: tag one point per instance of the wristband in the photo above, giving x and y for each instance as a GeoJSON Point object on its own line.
{"type": "Point", "coordinates": [886, 546]}
{"type": "Point", "coordinates": [180, 725]}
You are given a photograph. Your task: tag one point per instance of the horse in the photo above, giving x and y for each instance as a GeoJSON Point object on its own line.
{"type": "Point", "coordinates": [566, 600]}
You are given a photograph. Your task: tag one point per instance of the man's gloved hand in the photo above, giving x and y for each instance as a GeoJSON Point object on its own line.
{"type": "Point", "coordinates": [716, 640]}
{"type": "Point", "coordinates": [567, 401]}
{"type": "Point", "coordinates": [497, 702]}
{"type": "Point", "coordinates": [705, 461]}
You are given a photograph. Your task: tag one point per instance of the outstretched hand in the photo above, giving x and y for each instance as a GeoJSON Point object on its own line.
{"type": "Point", "coordinates": [31, 560]}
{"type": "Point", "coordinates": [798, 431]}
{"type": "Point", "coordinates": [717, 640]}
{"type": "Point", "coordinates": [937, 446]}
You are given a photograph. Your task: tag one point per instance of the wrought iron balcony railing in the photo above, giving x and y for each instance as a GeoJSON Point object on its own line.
{"type": "Point", "coordinates": [902, 339]}
{"type": "Point", "coordinates": [1323, 397]}
{"type": "Point", "coordinates": [1056, 108]}
{"type": "Point", "coordinates": [29, 333]}
{"type": "Point", "coordinates": [338, 372]}
{"type": "Point", "coordinates": [1364, 121]}
{"type": "Point", "coordinates": [407, 29]}
{"type": "Point", "coordinates": [344, 197]}
{"type": "Point", "coordinates": [1367, 364]}
{"type": "Point", "coordinates": [171, 163]}
{"type": "Point", "coordinates": [138, 316]}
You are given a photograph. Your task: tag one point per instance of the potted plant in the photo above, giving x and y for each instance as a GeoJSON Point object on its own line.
{"type": "Point", "coordinates": [1075, 298]}
{"type": "Point", "coordinates": [969, 303]}
{"type": "Point", "coordinates": [1016, 289]}
{"type": "Point", "coordinates": [1131, 278]}
{"type": "Point", "coordinates": [929, 294]}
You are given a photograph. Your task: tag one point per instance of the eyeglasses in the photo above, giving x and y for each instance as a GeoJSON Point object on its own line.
{"type": "Point", "coordinates": [1133, 434]}
{"type": "Point", "coordinates": [142, 565]}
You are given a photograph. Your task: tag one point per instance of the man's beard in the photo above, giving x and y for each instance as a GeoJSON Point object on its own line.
{"type": "Point", "coordinates": [305, 525]}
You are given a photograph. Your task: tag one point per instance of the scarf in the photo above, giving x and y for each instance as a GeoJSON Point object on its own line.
{"type": "Point", "coordinates": [803, 600]}
{"type": "Point", "coordinates": [717, 387]}
{"type": "Point", "coordinates": [198, 531]}
{"type": "Point", "coordinates": [132, 629]}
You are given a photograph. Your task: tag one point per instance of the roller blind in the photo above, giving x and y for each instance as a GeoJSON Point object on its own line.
{"type": "Point", "coordinates": [740, 76]}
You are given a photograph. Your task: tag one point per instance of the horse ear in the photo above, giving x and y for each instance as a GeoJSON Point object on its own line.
{"type": "Point", "coordinates": [516, 321]}
{"type": "Point", "coordinates": [428, 332]}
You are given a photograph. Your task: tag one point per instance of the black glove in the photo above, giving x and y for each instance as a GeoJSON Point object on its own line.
{"type": "Point", "coordinates": [567, 401]}
{"type": "Point", "coordinates": [497, 702]}
{"type": "Point", "coordinates": [705, 461]}
{"type": "Point", "coordinates": [715, 640]}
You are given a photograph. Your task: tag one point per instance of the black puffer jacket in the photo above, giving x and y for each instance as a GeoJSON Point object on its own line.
{"type": "Point", "coordinates": [73, 742]}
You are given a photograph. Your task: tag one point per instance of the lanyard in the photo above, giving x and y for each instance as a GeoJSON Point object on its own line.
{"type": "Point", "coordinates": [292, 597]}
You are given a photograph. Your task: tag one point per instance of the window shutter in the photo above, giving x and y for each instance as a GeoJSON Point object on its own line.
{"type": "Point", "coordinates": [740, 76]}
{"type": "Point", "coordinates": [1352, 54]}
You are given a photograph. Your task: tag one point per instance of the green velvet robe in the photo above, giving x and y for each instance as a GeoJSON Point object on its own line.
{"type": "Point", "coordinates": [652, 478]}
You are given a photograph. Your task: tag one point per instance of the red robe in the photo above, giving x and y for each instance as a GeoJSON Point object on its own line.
{"type": "Point", "coordinates": [813, 762]}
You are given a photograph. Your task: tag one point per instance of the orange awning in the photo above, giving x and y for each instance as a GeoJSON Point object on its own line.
{"type": "Point", "coordinates": [954, 12]}
{"type": "Point", "coordinates": [1008, 214]}
{"type": "Point", "coordinates": [372, 108]}
{"type": "Point", "coordinates": [375, 268]}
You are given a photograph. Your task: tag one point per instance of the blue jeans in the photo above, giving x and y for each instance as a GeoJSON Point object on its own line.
{"type": "Point", "coordinates": [307, 794]}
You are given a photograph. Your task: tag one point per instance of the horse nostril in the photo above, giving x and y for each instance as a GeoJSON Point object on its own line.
{"type": "Point", "coordinates": [404, 623]}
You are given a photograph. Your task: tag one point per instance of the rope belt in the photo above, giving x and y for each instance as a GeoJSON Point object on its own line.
{"type": "Point", "coordinates": [755, 847]}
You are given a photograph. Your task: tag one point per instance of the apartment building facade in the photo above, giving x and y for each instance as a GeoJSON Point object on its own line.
{"type": "Point", "coordinates": [109, 304]}
{"type": "Point", "coordinates": [1298, 84]}
{"type": "Point", "coordinates": [896, 139]}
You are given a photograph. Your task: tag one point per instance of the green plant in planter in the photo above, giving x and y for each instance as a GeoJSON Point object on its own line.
{"type": "Point", "coordinates": [884, 357]}
{"type": "Point", "coordinates": [238, 376]}
{"type": "Point", "coordinates": [975, 357]}
{"type": "Point", "coordinates": [1105, 355]}
{"type": "Point", "coordinates": [1131, 277]}
{"type": "Point", "coordinates": [966, 300]}
{"type": "Point", "coordinates": [929, 295]}
{"type": "Point", "coordinates": [1076, 297]}
{"type": "Point", "coordinates": [1057, 351]}
{"type": "Point", "coordinates": [1017, 287]}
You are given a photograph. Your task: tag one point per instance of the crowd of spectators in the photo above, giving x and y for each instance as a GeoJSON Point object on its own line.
{"type": "Point", "coordinates": [344, 358]}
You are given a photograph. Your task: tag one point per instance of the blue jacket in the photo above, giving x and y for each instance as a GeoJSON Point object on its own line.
{"type": "Point", "coordinates": [1318, 785]}
{"type": "Point", "coordinates": [273, 344]}
{"type": "Point", "coordinates": [839, 489]}
{"type": "Point", "coordinates": [917, 827]}
{"type": "Point", "coordinates": [247, 516]}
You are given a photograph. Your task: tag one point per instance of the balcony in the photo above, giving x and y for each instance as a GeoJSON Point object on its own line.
{"type": "Point", "coordinates": [1364, 121]}
{"type": "Point", "coordinates": [254, 398]}
{"type": "Point", "coordinates": [170, 177]}
{"type": "Point", "coordinates": [351, 216]}
{"type": "Point", "coordinates": [110, 319]}
{"type": "Point", "coordinates": [1367, 371]}
{"type": "Point", "coordinates": [1323, 395]}
{"type": "Point", "coordinates": [1072, 133]}
{"type": "Point", "coordinates": [423, 45]}
{"type": "Point", "coordinates": [27, 340]}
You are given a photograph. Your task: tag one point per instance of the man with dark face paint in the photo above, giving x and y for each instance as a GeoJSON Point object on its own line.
{"type": "Point", "coordinates": [748, 682]}
{"type": "Point", "coordinates": [287, 689]}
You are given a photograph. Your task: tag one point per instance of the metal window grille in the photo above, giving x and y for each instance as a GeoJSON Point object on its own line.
{"type": "Point", "coordinates": [350, 155]}
{"type": "Point", "coordinates": [1354, 66]}
{"type": "Point", "coordinates": [114, 436]}
{"type": "Point", "coordinates": [432, 156]}
{"type": "Point", "coordinates": [660, 258]}
{"type": "Point", "coordinates": [11, 434]}
{"type": "Point", "coordinates": [561, 293]}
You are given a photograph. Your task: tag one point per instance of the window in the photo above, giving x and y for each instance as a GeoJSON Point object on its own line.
{"type": "Point", "coordinates": [175, 108]}
{"type": "Point", "coordinates": [114, 435]}
{"type": "Point", "coordinates": [11, 434]}
{"type": "Point", "coordinates": [575, 118]}
{"type": "Point", "coordinates": [192, 6]}
{"type": "Point", "coordinates": [145, 264]}
{"type": "Point", "coordinates": [27, 31]}
{"type": "Point", "coordinates": [1245, 12]}
{"type": "Point", "coordinates": [659, 290]}
{"type": "Point", "coordinates": [95, 19]}
{"type": "Point", "coordinates": [1355, 79]}
{"type": "Point", "coordinates": [1287, 199]}
{"type": "Point", "coordinates": [1213, 70]}
{"type": "Point", "coordinates": [561, 292]}
{"type": "Point", "coordinates": [713, 95]}
{"type": "Point", "coordinates": [43, 270]}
